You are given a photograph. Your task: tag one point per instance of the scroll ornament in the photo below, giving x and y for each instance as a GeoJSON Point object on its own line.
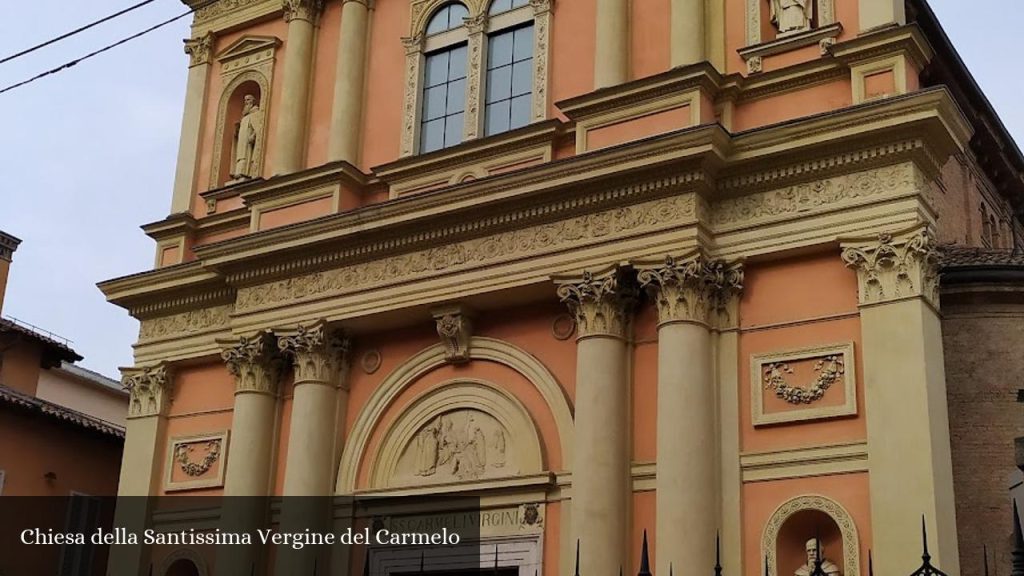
{"type": "Point", "coordinates": [829, 369]}
{"type": "Point", "coordinates": [194, 469]}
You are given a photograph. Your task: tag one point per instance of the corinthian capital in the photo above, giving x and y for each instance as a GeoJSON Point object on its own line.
{"type": "Point", "coordinates": [308, 10]}
{"type": "Point", "coordinates": [692, 288]}
{"type": "Point", "coordinates": [601, 303]}
{"type": "Point", "coordinates": [199, 49]}
{"type": "Point", "coordinates": [319, 354]}
{"type": "Point", "coordinates": [895, 266]}
{"type": "Point", "coordinates": [149, 390]}
{"type": "Point", "coordinates": [254, 362]}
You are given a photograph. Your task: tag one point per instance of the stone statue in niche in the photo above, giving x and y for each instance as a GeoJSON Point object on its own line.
{"type": "Point", "coordinates": [827, 566]}
{"type": "Point", "coordinates": [247, 139]}
{"type": "Point", "coordinates": [791, 16]}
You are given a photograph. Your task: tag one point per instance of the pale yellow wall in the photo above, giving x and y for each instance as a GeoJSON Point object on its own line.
{"type": "Point", "coordinates": [70, 392]}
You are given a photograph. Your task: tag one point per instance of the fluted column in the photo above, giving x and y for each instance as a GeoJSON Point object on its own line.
{"type": "Point", "coordinates": [911, 470]}
{"type": "Point", "coordinates": [688, 39]}
{"type": "Point", "coordinates": [199, 50]}
{"type": "Point", "coordinates": [611, 54]}
{"type": "Point", "coordinates": [347, 112]}
{"type": "Point", "coordinates": [318, 358]}
{"type": "Point", "coordinates": [256, 366]}
{"type": "Point", "coordinates": [149, 390]}
{"type": "Point", "coordinates": [687, 292]}
{"type": "Point", "coordinates": [292, 117]}
{"type": "Point", "coordinates": [602, 306]}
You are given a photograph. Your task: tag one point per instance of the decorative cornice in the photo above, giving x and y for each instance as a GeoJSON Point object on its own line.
{"type": "Point", "coordinates": [455, 328]}
{"type": "Point", "coordinates": [199, 49]}
{"type": "Point", "coordinates": [895, 266]}
{"type": "Point", "coordinates": [602, 303]}
{"type": "Point", "coordinates": [692, 288]}
{"type": "Point", "coordinates": [8, 245]}
{"type": "Point", "coordinates": [149, 388]}
{"type": "Point", "coordinates": [308, 10]}
{"type": "Point", "coordinates": [254, 362]}
{"type": "Point", "coordinates": [320, 355]}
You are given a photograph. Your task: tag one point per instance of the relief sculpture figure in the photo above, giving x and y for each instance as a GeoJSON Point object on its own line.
{"type": "Point", "coordinates": [249, 129]}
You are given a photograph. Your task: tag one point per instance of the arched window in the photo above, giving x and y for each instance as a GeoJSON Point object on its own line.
{"type": "Point", "coordinates": [444, 80]}
{"type": "Point", "coordinates": [510, 68]}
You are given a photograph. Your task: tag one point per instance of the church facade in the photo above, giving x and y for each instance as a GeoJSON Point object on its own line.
{"type": "Point", "coordinates": [660, 269]}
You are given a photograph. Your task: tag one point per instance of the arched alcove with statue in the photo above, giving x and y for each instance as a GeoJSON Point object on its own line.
{"type": "Point", "coordinates": [807, 528]}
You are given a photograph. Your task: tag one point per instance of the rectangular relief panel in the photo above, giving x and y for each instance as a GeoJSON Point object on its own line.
{"type": "Point", "coordinates": [806, 384]}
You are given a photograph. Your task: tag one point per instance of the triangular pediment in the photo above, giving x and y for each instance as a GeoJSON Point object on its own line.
{"type": "Point", "coordinates": [248, 45]}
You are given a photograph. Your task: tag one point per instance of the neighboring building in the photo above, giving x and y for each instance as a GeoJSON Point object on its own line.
{"type": "Point", "coordinates": [61, 426]}
{"type": "Point", "coordinates": [664, 265]}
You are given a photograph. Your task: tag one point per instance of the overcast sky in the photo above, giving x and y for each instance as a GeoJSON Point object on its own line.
{"type": "Point", "coordinates": [87, 155]}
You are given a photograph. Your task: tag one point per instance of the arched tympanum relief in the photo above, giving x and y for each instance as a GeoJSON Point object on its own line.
{"type": "Point", "coordinates": [459, 431]}
{"type": "Point", "coordinates": [850, 562]}
{"type": "Point", "coordinates": [385, 394]}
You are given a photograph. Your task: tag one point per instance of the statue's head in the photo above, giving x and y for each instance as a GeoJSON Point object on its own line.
{"type": "Point", "coordinates": [812, 551]}
{"type": "Point", "coordinates": [248, 101]}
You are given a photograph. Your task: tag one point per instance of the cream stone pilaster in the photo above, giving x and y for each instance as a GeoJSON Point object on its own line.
{"type": "Point", "coordinates": [874, 14]}
{"type": "Point", "coordinates": [149, 391]}
{"type": "Point", "coordinates": [905, 390]}
{"type": "Point", "coordinates": [473, 120]}
{"type": "Point", "coordinates": [347, 112]}
{"type": "Point", "coordinates": [256, 366]}
{"type": "Point", "coordinates": [292, 117]}
{"type": "Point", "coordinates": [687, 292]}
{"type": "Point", "coordinates": [602, 306]}
{"type": "Point", "coordinates": [727, 376]}
{"type": "Point", "coordinates": [318, 357]}
{"type": "Point", "coordinates": [199, 51]}
{"type": "Point", "coordinates": [611, 54]}
{"type": "Point", "coordinates": [688, 38]}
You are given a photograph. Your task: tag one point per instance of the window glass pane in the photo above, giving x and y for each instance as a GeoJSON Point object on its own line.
{"type": "Point", "coordinates": [457, 63]}
{"type": "Point", "coordinates": [522, 77]}
{"type": "Point", "coordinates": [456, 97]}
{"type": "Point", "coordinates": [499, 84]}
{"type": "Point", "coordinates": [453, 130]}
{"type": "Point", "coordinates": [439, 21]}
{"type": "Point", "coordinates": [499, 50]}
{"type": "Point", "coordinates": [496, 118]}
{"type": "Point", "coordinates": [437, 69]}
{"type": "Point", "coordinates": [434, 102]}
{"type": "Point", "coordinates": [523, 43]}
{"type": "Point", "coordinates": [499, 6]}
{"type": "Point", "coordinates": [432, 135]}
{"type": "Point", "coordinates": [520, 112]}
{"type": "Point", "coordinates": [457, 15]}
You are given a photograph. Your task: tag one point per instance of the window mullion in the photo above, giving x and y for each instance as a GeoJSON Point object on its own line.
{"type": "Point", "coordinates": [475, 66]}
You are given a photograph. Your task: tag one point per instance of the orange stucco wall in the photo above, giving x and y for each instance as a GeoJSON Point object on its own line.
{"type": "Point", "coordinates": [20, 367]}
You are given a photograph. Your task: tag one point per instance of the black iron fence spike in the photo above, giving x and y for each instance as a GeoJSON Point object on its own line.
{"type": "Point", "coordinates": [1017, 554]}
{"type": "Point", "coordinates": [984, 558]}
{"type": "Point", "coordinates": [871, 564]}
{"type": "Point", "coordinates": [718, 554]}
{"type": "Point", "coordinates": [645, 560]}
{"type": "Point", "coordinates": [577, 572]}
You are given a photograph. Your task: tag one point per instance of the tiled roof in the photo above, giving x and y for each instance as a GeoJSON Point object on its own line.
{"type": "Point", "coordinates": [57, 351]}
{"type": "Point", "coordinates": [12, 397]}
{"type": "Point", "coordinates": [956, 256]}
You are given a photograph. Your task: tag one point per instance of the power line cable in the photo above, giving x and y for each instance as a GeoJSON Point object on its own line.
{"type": "Point", "coordinates": [75, 31]}
{"type": "Point", "coordinates": [106, 48]}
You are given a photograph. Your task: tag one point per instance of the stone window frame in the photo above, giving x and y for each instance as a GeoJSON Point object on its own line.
{"type": "Point", "coordinates": [756, 47]}
{"type": "Point", "coordinates": [478, 25]}
{"type": "Point", "coordinates": [249, 59]}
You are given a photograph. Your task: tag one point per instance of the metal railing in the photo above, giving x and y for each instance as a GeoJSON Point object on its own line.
{"type": "Point", "coordinates": [40, 331]}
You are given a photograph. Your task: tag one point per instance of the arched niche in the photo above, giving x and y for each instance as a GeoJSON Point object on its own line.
{"type": "Point", "coordinates": [481, 348]}
{"type": "Point", "coordinates": [251, 83]}
{"type": "Point", "coordinates": [462, 430]}
{"type": "Point", "coordinates": [183, 562]}
{"type": "Point", "coordinates": [803, 518]}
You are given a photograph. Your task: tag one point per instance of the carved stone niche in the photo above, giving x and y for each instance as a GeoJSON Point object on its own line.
{"type": "Point", "coordinates": [247, 70]}
{"type": "Point", "coordinates": [786, 539]}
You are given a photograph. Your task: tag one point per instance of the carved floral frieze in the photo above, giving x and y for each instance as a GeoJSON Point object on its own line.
{"type": "Point", "coordinates": [828, 370]}
{"type": "Point", "coordinates": [183, 455]}
{"type": "Point", "coordinates": [512, 245]}
{"type": "Point", "coordinates": [185, 323]}
{"type": "Point", "coordinates": [829, 192]}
